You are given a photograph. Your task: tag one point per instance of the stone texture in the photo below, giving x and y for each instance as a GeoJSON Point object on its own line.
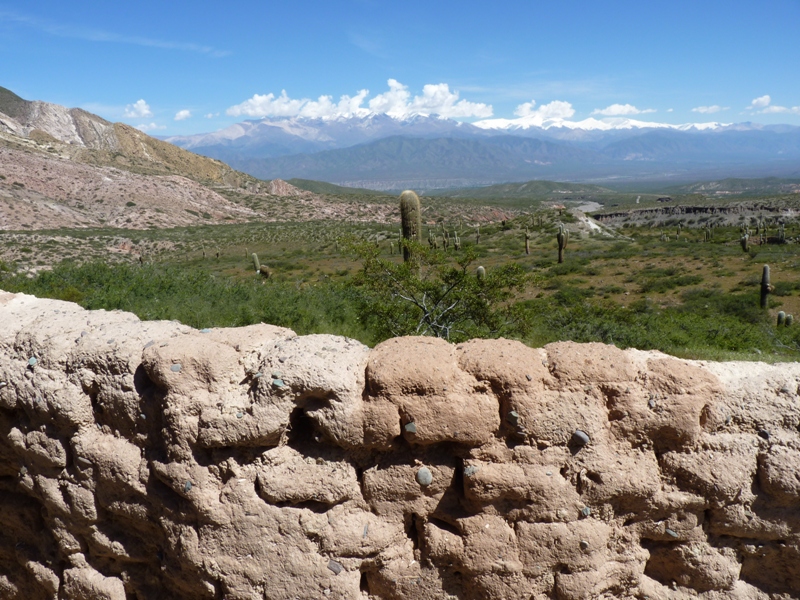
{"type": "Point", "coordinates": [145, 460]}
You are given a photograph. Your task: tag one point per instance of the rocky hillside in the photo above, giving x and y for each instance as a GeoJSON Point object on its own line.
{"type": "Point", "coordinates": [147, 459]}
{"type": "Point", "coordinates": [63, 167]}
{"type": "Point", "coordinates": [81, 136]}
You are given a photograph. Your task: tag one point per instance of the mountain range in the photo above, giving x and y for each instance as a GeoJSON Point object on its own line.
{"type": "Point", "coordinates": [426, 152]}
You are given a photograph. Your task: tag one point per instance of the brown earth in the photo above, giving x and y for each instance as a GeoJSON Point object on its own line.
{"type": "Point", "coordinates": [147, 460]}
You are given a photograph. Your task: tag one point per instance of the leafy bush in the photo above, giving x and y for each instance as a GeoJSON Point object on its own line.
{"type": "Point", "coordinates": [436, 295]}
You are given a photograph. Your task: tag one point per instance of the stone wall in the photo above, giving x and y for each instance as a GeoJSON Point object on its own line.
{"type": "Point", "coordinates": [144, 460]}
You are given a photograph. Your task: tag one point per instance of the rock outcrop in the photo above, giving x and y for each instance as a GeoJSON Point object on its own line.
{"type": "Point", "coordinates": [147, 460]}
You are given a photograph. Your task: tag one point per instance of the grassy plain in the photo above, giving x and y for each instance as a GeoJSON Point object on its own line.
{"type": "Point", "coordinates": [623, 285]}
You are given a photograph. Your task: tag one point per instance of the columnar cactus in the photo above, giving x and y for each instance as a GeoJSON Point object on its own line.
{"type": "Point", "coordinates": [527, 241]}
{"type": "Point", "coordinates": [260, 269]}
{"type": "Point", "coordinates": [766, 288]}
{"type": "Point", "coordinates": [481, 273]}
{"type": "Point", "coordinates": [781, 318]}
{"type": "Point", "coordinates": [789, 320]}
{"type": "Point", "coordinates": [563, 239]}
{"type": "Point", "coordinates": [478, 235]}
{"type": "Point", "coordinates": [744, 242]}
{"type": "Point", "coordinates": [411, 220]}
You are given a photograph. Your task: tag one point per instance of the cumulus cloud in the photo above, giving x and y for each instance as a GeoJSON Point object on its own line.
{"type": "Point", "coordinates": [182, 115]}
{"type": "Point", "coordinates": [150, 127]}
{"type": "Point", "coordinates": [766, 106]}
{"type": "Point", "coordinates": [557, 109]}
{"type": "Point", "coordinates": [707, 110]}
{"type": "Point", "coordinates": [138, 110]}
{"type": "Point", "coordinates": [619, 110]}
{"type": "Point", "coordinates": [397, 102]}
{"type": "Point", "coordinates": [760, 102]}
{"type": "Point", "coordinates": [795, 110]}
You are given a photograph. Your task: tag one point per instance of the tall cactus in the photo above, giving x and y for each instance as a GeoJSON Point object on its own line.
{"type": "Point", "coordinates": [743, 241]}
{"type": "Point", "coordinates": [766, 288]}
{"type": "Point", "coordinates": [411, 220]}
{"type": "Point", "coordinates": [563, 239]}
{"type": "Point", "coordinates": [262, 270]}
{"type": "Point", "coordinates": [527, 241]}
{"type": "Point", "coordinates": [481, 273]}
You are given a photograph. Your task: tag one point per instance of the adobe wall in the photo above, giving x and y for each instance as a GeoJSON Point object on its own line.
{"type": "Point", "coordinates": [143, 460]}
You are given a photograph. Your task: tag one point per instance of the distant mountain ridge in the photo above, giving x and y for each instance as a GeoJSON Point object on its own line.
{"type": "Point", "coordinates": [381, 152]}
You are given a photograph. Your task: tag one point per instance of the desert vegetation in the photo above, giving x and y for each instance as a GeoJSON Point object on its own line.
{"type": "Point", "coordinates": [680, 283]}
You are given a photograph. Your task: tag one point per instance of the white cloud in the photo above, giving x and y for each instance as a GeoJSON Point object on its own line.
{"type": "Point", "coordinates": [710, 109]}
{"type": "Point", "coordinates": [766, 106]}
{"type": "Point", "coordinates": [397, 102]}
{"type": "Point", "coordinates": [670, 109]}
{"type": "Point", "coordinates": [619, 110]}
{"type": "Point", "coordinates": [557, 109]}
{"type": "Point", "coordinates": [150, 127]}
{"type": "Point", "coordinates": [181, 115]}
{"type": "Point", "coordinates": [760, 102]}
{"type": "Point", "coordinates": [211, 115]}
{"type": "Point", "coordinates": [781, 109]}
{"type": "Point", "coordinates": [138, 110]}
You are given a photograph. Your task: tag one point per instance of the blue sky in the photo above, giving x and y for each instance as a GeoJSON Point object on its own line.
{"type": "Point", "coordinates": [185, 67]}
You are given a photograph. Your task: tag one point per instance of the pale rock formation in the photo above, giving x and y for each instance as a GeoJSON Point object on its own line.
{"type": "Point", "coordinates": [145, 460]}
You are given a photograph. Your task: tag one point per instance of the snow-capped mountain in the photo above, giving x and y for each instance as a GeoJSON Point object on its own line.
{"type": "Point", "coordinates": [381, 150]}
{"type": "Point", "coordinates": [272, 137]}
{"type": "Point", "coordinates": [590, 124]}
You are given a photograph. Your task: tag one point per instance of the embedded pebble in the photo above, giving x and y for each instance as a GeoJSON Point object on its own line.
{"type": "Point", "coordinates": [763, 434]}
{"type": "Point", "coordinates": [651, 403]}
{"type": "Point", "coordinates": [586, 511]}
{"type": "Point", "coordinates": [671, 533]}
{"type": "Point", "coordinates": [176, 368]}
{"type": "Point", "coordinates": [580, 438]}
{"type": "Point", "coordinates": [32, 361]}
{"type": "Point", "coordinates": [205, 330]}
{"type": "Point", "coordinates": [188, 487]}
{"type": "Point", "coordinates": [335, 567]}
{"type": "Point", "coordinates": [239, 415]}
{"type": "Point", "coordinates": [513, 417]}
{"type": "Point", "coordinates": [584, 545]}
{"type": "Point", "coordinates": [411, 427]}
{"type": "Point", "coordinates": [528, 377]}
{"type": "Point", "coordinates": [470, 470]}
{"type": "Point", "coordinates": [142, 416]}
{"type": "Point", "coordinates": [424, 477]}
{"type": "Point", "coordinates": [278, 383]}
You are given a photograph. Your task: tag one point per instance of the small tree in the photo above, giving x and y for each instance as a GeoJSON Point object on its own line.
{"type": "Point", "coordinates": [439, 295]}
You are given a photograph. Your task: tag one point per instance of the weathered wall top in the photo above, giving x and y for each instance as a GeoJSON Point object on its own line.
{"type": "Point", "coordinates": [147, 460]}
